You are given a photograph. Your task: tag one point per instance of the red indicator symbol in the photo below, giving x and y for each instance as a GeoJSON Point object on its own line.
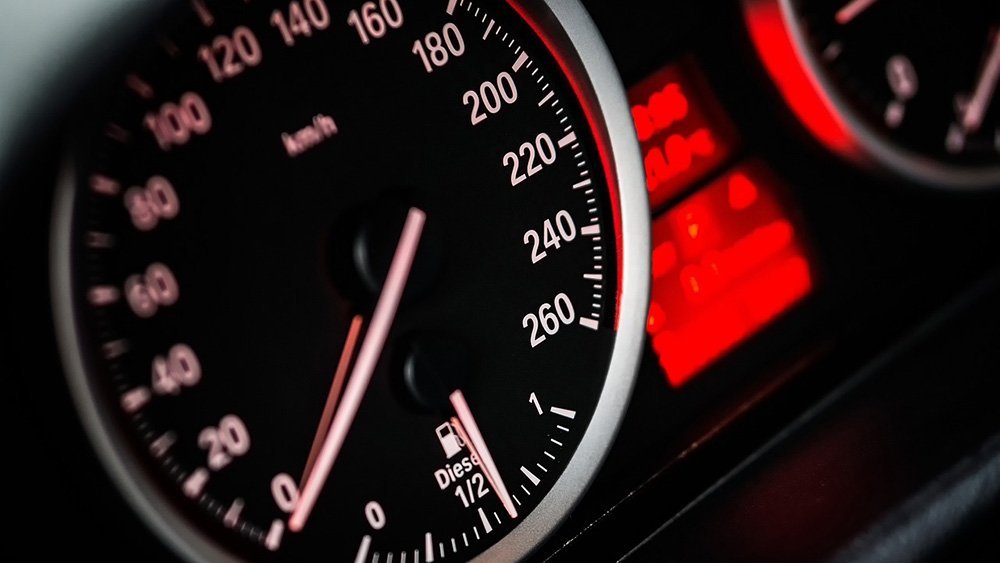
{"type": "Point", "coordinates": [682, 130]}
{"type": "Point", "coordinates": [726, 262]}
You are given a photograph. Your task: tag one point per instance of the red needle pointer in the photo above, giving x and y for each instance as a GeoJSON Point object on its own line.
{"type": "Point", "coordinates": [469, 432]}
{"type": "Point", "coordinates": [368, 356]}
{"type": "Point", "coordinates": [339, 376]}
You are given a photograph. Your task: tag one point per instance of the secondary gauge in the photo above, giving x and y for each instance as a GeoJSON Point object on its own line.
{"type": "Point", "coordinates": [926, 109]}
{"type": "Point", "coordinates": [355, 281]}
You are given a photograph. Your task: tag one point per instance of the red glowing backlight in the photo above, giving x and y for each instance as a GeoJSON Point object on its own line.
{"type": "Point", "coordinates": [726, 262]}
{"type": "Point", "coordinates": [682, 130]}
{"type": "Point", "coordinates": [770, 34]}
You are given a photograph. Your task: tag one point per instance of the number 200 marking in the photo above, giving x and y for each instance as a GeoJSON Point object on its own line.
{"type": "Point", "coordinates": [491, 96]}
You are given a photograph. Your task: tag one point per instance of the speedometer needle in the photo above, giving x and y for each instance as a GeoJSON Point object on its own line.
{"type": "Point", "coordinates": [469, 432]}
{"type": "Point", "coordinates": [368, 356]}
{"type": "Point", "coordinates": [972, 119]}
{"type": "Point", "coordinates": [333, 397]}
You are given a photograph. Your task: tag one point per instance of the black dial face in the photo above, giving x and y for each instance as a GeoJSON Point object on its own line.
{"type": "Point", "coordinates": [345, 276]}
{"type": "Point", "coordinates": [936, 98]}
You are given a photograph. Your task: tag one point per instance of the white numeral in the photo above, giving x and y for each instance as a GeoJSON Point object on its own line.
{"type": "Point", "coordinates": [231, 439]}
{"type": "Point", "coordinates": [174, 124]}
{"type": "Point", "coordinates": [148, 292]}
{"type": "Point", "coordinates": [375, 515]}
{"type": "Point", "coordinates": [375, 20]}
{"type": "Point", "coordinates": [180, 368]}
{"type": "Point", "coordinates": [471, 489]}
{"type": "Point", "coordinates": [148, 205]}
{"type": "Point", "coordinates": [491, 96]}
{"type": "Point", "coordinates": [436, 49]}
{"type": "Point", "coordinates": [550, 318]}
{"type": "Point", "coordinates": [563, 229]}
{"type": "Point", "coordinates": [229, 56]}
{"type": "Point", "coordinates": [285, 492]}
{"type": "Point", "coordinates": [302, 19]}
{"type": "Point", "coordinates": [539, 154]}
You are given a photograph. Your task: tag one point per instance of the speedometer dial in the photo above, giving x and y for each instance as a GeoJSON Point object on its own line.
{"type": "Point", "coordinates": [356, 281]}
{"type": "Point", "coordinates": [927, 109]}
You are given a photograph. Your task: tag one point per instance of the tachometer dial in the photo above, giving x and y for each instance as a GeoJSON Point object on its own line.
{"type": "Point", "coordinates": [360, 281]}
{"type": "Point", "coordinates": [915, 82]}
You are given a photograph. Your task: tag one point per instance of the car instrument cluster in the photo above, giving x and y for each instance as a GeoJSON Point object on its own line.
{"type": "Point", "coordinates": [399, 281]}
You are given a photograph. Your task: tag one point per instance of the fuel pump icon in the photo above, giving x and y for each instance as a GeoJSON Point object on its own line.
{"type": "Point", "coordinates": [451, 443]}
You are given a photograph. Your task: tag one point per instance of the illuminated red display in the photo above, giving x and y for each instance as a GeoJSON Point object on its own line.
{"type": "Point", "coordinates": [681, 128]}
{"type": "Point", "coordinates": [726, 262]}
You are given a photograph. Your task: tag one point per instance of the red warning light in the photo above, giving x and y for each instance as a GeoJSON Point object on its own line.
{"type": "Point", "coordinates": [681, 128]}
{"type": "Point", "coordinates": [726, 262]}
